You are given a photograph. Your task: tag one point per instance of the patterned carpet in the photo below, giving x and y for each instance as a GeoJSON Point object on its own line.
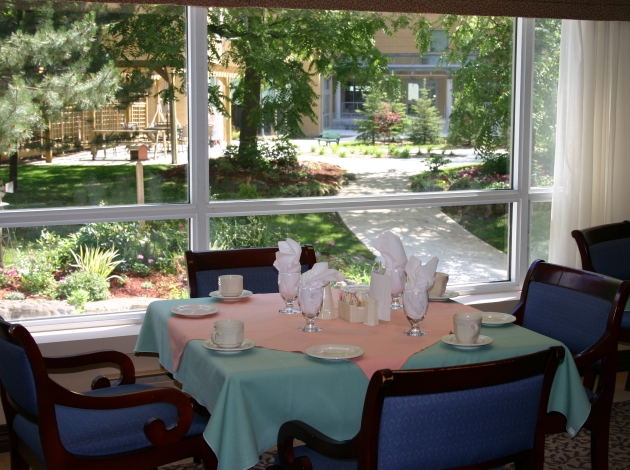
{"type": "Point", "coordinates": [561, 452]}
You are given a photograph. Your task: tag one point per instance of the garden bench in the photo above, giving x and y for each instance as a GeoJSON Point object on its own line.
{"type": "Point", "coordinates": [328, 137]}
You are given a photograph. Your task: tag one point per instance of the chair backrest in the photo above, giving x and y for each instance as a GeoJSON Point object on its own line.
{"type": "Point", "coordinates": [457, 416]}
{"type": "Point", "coordinates": [605, 249]}
{"type": "Point", "coordinates": [254, 264]}
{"type": "Point", "coordinates": [16, 374]}
{"type": "Point", "coordinates": [579, 308]}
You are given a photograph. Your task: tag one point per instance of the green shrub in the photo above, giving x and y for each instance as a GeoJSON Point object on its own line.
{"type": "Point", "coordinates": [146, 285]}
{"type": "Point", "coordinates": [322, 150]}
{"type": "Point", "coordinates": [96, 286]}
{"type": "Point", "coordinates": [497, 163]}
{"type": "Point", "coordinates": [313, 149]}
{"type": "Point", "coordinates": [79, 298]}
{"type": "Point", "coordinates": [96, 260]}
{"type": "Point", "coordinates": [14, 296]}
{"type": "Point", "coordinates": [436, 162]}
{"type": "Point", "coordinates": [247, 192]}
{"type": "Point", "coordinates": [241, 232]}
{"type": "Point", "coordinates": [342, 154]}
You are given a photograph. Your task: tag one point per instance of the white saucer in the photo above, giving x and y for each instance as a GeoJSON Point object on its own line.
{"type": "Point", "coordinates": [449, 294]}
{"type": "Point", "coordinates": [496, 319]}
{"type": "Point", "coordinates": [334, 351]}
{"type": "Point", "coordinates": [217, 295]}
{"type": "Point", "coordinates": [481, 341]}
{"type": "Point", "coordinates": [247, 344]}
{"type": "Point", "coordinates": [194, 310]}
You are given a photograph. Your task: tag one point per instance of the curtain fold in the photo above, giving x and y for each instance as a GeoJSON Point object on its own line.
{"type": "Point", "coordinates": [592, 165]}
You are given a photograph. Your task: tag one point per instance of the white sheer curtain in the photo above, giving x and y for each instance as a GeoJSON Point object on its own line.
{"type": "Point", "coordinates": [592, 166]}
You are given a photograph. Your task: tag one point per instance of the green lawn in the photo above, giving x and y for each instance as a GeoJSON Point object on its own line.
{"type": "Point", "coordinates": [80, 185]}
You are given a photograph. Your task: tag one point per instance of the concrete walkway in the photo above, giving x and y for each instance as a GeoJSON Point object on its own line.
{"type": "Point", "coordinates": [425, 231]}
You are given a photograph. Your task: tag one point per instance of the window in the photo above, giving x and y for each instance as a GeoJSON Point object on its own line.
{"type": "Point", "coordinates": [339, 198]}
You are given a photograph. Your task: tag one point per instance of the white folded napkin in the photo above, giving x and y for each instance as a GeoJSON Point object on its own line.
{"type": "Point", "coordinates": [320, 275]}
{"type": "Point", "coordinates": [288, 257]}
{"type": "Point", "coordinates": [416, 305]}
{"type": "Point", "coordinates": [391, 249]}
{"type": "Point", "coordinates": [420, 276]}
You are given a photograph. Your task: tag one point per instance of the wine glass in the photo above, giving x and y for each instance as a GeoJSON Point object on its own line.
{"type": "Point", "coordinates": [311, 299]}
{"type": "Point", "coordinates": [416, 304]}
{"type": "Point", "coordinates": [399, 277]}
{"type": "Point", "coordinates": [288, 284]}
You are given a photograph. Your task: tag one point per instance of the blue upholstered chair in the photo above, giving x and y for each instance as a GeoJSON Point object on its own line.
{"type": "Point", "coordinates": [605, 249]}
{"type": "Point", "coordinates": [583, 310]}
{"type": "Point", "coordinates": [481, 415]}
{"type": "Point", "coordinates": [254, 264]}
{"type": "Point", "coordinates": [125, 426]}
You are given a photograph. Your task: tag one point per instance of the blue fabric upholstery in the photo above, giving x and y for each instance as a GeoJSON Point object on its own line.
{"type": "Point", "coordinates": [444, 430]}
{"type": "Point", "coordinates": [625, 320]}
{"type": "Point", "coordinates": [572, 317]}
{"type": "Point", "coordinates": [259, 280]}
{"type": "Point", "coordinates": [452, 429]}
{"type": "Point", "coordinates": [612, 258]}
{"type": "Point", "coordinates": [17, 377]}
{"type": "Point", "coordinates": [94, 433]}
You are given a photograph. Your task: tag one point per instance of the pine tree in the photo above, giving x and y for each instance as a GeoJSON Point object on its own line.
{"type": "Point", "coordinates": [383, 114]}
{"type": "Point", "coordinates": [426, 122]}
{"type": "Point", "coordinates": [44, 72]}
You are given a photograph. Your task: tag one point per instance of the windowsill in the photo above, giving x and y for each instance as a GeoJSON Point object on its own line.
{"type": "Point", "coordinates": [116, 331]}
{"type": "Point", "coordinates": [81, 334]}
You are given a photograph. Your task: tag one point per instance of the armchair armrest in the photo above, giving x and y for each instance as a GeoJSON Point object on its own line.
{"type": "Point", "coordinates": [155, 429]}
{"type": "Point", "coordinates": [316, 440]}
{"type": "Point", "coordinates": [127, 369]}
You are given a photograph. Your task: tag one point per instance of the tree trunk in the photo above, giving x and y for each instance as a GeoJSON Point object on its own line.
{"type": "Point", "coordinates": [250, 119]}
{"type": "Point", "coordinates": [13, 170]}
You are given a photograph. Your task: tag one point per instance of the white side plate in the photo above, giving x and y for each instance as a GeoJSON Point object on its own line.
{"type": "Point", "coordinates": [448, 294]}
{"type": "Point", "coordinates": [333, 352]}
{"type": "Point", "coordinates": [247, 344]}
{"type": "Point", "coordinates": [217, 295]}
{"type": "Point", "coordinates": [481, 341]}
{"type": "Point", "coordinates": [194, 310]}
{"type": "Point", "coordinates": [496, 319]}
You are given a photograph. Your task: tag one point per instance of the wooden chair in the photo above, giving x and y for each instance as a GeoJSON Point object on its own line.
{"type": "Point", "coordinates": [473, 416]}
{"type": "Point", "coordinates": [125, 426]}
{"type": "Point", "coordinates": [583, 310]}
{"type": "Point", "coordinates": [254, 264]}
{"type": "Point", "coordinates": [605, 249]}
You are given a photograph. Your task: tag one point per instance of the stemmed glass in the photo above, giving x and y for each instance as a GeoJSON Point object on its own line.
{"type": "Point", "coordinates": [416, 304]}
{"type": "Point", "coordinates": [288, 284]}
{"type": "Point", "coordinates": [311, 299]}
{"type": "Point", "coordinates": [399, 277]}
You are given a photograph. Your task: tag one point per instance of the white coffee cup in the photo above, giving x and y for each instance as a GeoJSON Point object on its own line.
{"type": "Point", "coordinates": [231, 285]}
{"type": "Point", "coordinates": [228, 333]}
{"type": "Point", "coordinates": [466, 327]}
{"type": "Point", "coordinates": [439, 285]}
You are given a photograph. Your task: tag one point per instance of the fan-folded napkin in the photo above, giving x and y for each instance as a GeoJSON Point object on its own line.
{"type": "Point", "coordinates": [391, 249]}
{"type": "Point", "coordinates": [420, 276]}
{"type": "Point", "coordinates": [288, 257]}
{"type": "Point", "coordinates": [319, 275]}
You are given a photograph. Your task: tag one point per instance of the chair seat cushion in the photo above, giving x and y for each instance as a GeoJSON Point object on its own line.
{"type": "Point", "coordinates": [321, 462]}
{"type": "Point", "coordinates": [625, 320]}
{"type": "Point", "coordinates": [97, 433]}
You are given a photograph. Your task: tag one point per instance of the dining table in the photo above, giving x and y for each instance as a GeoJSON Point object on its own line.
{"type": "Point", "coordinates": [250, 393]}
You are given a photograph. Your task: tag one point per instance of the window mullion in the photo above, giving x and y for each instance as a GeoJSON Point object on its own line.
{"type": "Point", "coordinates": [197, 85]}
{"type": "Point", "coordinates": [522, 143]}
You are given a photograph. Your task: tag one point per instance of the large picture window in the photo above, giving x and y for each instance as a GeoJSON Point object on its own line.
{"type": "Point", "coordinates": [147, 130]}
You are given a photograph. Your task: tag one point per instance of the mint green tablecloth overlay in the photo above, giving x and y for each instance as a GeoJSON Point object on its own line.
{"type": "Point", "coordinates": [250, 394]}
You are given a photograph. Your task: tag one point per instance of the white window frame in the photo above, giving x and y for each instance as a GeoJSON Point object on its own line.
{"type": "Point", "coordinates": [199, 210]}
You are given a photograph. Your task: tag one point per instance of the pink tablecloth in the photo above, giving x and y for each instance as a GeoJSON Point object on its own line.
{"type": "Point", "coordinates": [385, 345]}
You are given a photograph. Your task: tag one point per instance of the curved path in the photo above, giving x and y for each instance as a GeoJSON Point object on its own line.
{"type": "Point", "coordinates": [425, 231]}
